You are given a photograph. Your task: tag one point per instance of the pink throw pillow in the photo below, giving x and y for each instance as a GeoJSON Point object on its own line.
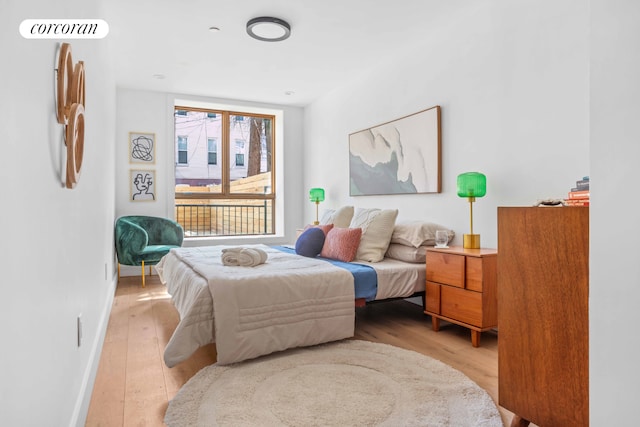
{"type": "Point", "coordinates": [341, 244]}
{"type": "Point", "coordinates": [325, 227]}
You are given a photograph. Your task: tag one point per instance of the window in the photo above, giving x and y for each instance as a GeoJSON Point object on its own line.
{"type": "Point", "coordinates": [228, 194]}
{"type": "Point", "coordinates": [212, 148]}
{"type": "Point", "coordinates": [239, 152]}
{"type": "Point", "coordinates": [182, 150]}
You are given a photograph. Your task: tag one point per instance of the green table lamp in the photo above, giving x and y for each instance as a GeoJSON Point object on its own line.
{"type": "Point", "coordinates": [316, 195]}
{"type": "Point", "coordinates": [471, 185]}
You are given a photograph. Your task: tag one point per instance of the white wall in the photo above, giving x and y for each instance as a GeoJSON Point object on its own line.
{"type": "Point", "coordinates": [141, 111]}
{"type": "Point", "coordinates": [145, 111]}
{"type": "Point", "coordinates": [512, 81]}
{"type": "Point", "coordinates": [615, 273]}
{"type": "Point", "coordinates": [56, 243]}
{"type": "Point", "coordinates": [535, 97]}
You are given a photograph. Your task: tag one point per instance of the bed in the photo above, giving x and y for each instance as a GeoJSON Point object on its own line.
{"type": "Point", "coordinates": [289, 301]}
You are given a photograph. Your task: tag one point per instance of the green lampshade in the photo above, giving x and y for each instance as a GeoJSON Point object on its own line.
{"type": "Point", "coordinates": [316, 195]}
{"type": "Point", "coordinates": [472, 184]}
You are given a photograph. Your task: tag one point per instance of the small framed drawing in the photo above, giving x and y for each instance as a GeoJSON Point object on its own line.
{"type": "Point", "coordinates": [142, 148]}
{"type": "Point", "coordinates": [142, 184]}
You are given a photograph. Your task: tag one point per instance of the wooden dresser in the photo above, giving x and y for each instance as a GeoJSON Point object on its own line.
{"type": "Point", "coordinates": [461, 288]}
{"type": "Point", "coordinates": [543, 290]}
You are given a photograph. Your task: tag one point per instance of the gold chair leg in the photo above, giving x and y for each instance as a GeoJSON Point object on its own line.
{"type": "Point", "coordinates": [143, 274]}
{"type": "Point", "coordinates": [118, 272]}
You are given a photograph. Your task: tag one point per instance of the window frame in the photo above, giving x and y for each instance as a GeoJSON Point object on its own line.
{"type": "Point", "coordinates": [213, 140]}
{"type": "Point", "coordinates": [185, 151]}
{"type": "Point", "coordinates": [225, 145]}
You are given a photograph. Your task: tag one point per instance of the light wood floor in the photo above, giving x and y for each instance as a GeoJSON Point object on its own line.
{"type": "Point", "coordinates": [133, 386]}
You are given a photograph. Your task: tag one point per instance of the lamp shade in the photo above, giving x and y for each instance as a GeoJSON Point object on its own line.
{"type": "Point", "coordinates": [472, 184]}
{"type": "Point", "coordinates": [316, 195]}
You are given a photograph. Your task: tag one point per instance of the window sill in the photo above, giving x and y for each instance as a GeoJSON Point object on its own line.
{"type": "Point", "coordinates": [271, 239]}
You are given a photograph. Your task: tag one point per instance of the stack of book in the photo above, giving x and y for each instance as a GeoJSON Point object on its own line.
{"type": "Point", "coordinates": [579, 195]}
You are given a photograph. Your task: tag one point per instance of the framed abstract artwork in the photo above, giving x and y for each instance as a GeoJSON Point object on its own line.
{"type": "Point", "coordinates": [142, 184]}
{"type": "Point", "coordinates": [398, 157]}
{"type": "Point", "coordinates": [142, 148]}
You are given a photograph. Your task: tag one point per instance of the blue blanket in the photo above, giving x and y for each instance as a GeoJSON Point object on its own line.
{"type": "Point", "coordinates": [364, 277]}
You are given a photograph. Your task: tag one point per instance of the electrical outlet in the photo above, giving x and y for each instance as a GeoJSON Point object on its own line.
{"type": "Point", "coordinates": [105, 271]}
{"type": "Point", "coordinates": [79, 322]}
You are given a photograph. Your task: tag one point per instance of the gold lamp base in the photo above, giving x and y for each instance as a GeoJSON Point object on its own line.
{"type": "Point", "coordinates": [471, 241]}
{"type": "Point", "coordinates": [316, 222]}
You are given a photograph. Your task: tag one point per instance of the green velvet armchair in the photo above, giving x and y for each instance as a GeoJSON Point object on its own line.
{"type": "Point", "coordinates": [144, 240]}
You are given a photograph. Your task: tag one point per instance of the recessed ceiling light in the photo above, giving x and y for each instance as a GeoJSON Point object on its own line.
{"type": "Point", "coordinates": [289, 92]}
{"type": "Point", "coordinates": [214, 29]}
{"type": "Point", "coordinates": [268, 29]}
{"type": "Point", "coordinates": [159, 76]}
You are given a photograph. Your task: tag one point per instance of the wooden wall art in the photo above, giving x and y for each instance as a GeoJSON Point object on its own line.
{"type": "Point", "coordinates": [70, 96]}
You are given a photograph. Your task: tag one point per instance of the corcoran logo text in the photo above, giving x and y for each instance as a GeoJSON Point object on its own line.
{"type": "Point", "coordinates": [64, 28]}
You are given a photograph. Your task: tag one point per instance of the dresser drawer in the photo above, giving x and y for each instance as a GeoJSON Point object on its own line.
{"type": "Point", "coordinates": [474, 274]}
{"type": "Point", "coordinates": [462, 305]}
{"type": "Point", "coordinates": [446, 268]}
{"type": "Point", "coordinates": [432, 298]}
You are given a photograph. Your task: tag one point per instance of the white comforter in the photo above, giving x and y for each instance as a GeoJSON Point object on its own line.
{"type": "Point", "coordinates": [289, 301]}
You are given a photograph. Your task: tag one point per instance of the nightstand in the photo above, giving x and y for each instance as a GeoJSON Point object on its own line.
{"type": "Point", "coordinates": [461, 288]}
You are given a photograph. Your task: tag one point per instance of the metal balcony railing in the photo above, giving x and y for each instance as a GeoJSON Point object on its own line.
{"type": "Point", "coordinates": [224, 220]}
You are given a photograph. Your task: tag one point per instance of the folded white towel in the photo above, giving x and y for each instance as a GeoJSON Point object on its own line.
{"type": "Point", "coordinates": [243, 257]}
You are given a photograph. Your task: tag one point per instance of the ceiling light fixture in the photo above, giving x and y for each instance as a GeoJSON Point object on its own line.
{"type": "Point", "coordinates": [268, 29]}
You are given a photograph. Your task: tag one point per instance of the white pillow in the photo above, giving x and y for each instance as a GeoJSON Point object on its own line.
{"type": "Point", "coordinates": [377, 227]}
{"type": "Point", "coordinates": [418, 233]}
{"type": "Point", "coordinates": [340, 218]}
{"type": "Point", "coordinates": [407, 253]}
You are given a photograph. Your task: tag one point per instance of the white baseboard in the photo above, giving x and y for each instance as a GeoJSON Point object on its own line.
{"type": "Point", "coordinates": [415, 300]}
{"type": "Point", "coordinates": [134, 270]}
{"type": "Point", "coordinates": [79, 416]}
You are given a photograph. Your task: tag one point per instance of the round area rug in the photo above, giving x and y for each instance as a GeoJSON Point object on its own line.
{"type": "Point", "coordinates": [345, 383]}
